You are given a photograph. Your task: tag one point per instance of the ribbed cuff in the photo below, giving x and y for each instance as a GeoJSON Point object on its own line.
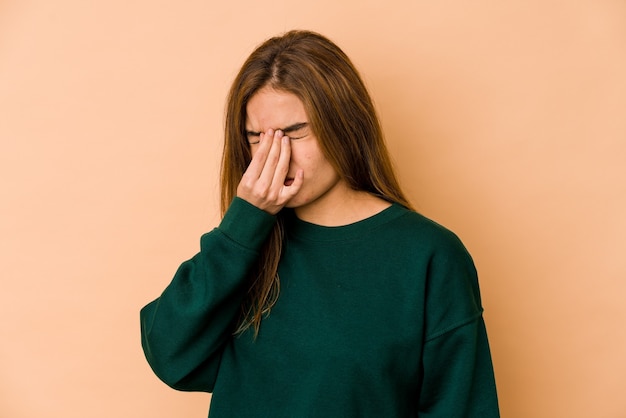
{"type": "Point", "coordinates": [246, 224]}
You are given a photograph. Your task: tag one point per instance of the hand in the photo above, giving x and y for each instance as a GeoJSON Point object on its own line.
{"type": "Point", "coordinates": [263, 183]}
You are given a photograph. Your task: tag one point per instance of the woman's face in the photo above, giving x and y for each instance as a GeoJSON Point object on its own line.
{"type": "Point", "coordinates": [279, 110]}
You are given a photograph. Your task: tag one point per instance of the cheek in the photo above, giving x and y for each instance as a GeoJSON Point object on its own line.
{"type": "Point", "coordinates": [297, 160]}
{"type": "Point", "coordinates": [304, 158]}
{"type": "Point", "coordinates": [308, 158]}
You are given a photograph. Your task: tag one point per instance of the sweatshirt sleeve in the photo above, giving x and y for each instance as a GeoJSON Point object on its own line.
{"type": "Point", "coordinates": [458, 378]}
{"type": "Point", "coordinates": [184, 330]}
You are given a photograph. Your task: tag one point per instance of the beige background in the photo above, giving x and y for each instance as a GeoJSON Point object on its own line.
{"type": "Point", "coordinates": [507, 121]}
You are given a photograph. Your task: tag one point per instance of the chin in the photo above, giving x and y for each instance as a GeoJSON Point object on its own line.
{"type": "Point", "coordinates": [292, 205]}
{"type": "Point", "coordinates": [296, 202]}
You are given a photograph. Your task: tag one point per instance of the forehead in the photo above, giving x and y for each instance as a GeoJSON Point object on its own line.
{"type": "Point", "coordinates": [275, 109]}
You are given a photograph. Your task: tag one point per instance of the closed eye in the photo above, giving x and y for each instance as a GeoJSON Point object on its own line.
{"type": "Point", "coordinates": [297, 131]}
{"type": "Point", "coordinates": [253, 137]}
{"type": "Point", "coordinates": [294, 132]}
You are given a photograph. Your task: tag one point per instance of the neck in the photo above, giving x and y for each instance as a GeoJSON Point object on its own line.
{"type": "Point", "coordinates": [345, 207]}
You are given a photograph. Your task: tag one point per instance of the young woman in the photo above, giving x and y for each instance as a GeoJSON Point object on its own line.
{"type": "Point", "coordinates": [321, 293]}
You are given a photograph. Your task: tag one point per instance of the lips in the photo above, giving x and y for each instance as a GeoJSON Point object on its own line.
{"type": "Point", "coordinates": [288, 181]}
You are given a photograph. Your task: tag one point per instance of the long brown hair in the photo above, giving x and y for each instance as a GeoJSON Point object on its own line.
{"type": "Point", "coordinates": [342, 117]}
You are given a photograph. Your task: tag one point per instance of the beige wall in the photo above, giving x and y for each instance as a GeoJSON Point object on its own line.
{"type": "Point", "coordinates": [507, 121]}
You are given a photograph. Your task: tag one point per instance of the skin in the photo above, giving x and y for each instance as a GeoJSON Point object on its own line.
{"type": "Point", "coordinates": [288, 168]}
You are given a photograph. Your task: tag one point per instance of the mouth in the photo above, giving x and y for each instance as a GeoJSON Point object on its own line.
{"type": "Point", "coordinates": [288, 181]}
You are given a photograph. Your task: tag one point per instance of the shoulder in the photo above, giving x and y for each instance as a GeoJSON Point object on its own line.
{"type": "Point", "coordinates": [410, 226]}
{"type": "Point", "coordinates": [433, 245]}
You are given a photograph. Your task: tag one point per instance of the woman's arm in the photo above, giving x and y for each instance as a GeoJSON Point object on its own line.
{"type": "Point", "coordinates": [458, 378]}
{"type": "Point", "coordinates": [184, 331]}
{"type": "Point", "coordinates": [458, 375]}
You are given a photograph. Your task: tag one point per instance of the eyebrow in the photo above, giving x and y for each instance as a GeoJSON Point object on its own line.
{"type": "Point", "coordinates": [289, 128]}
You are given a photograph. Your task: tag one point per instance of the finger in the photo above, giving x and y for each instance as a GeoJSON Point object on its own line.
{"type": "Point", "coordinates": [273, 156]}
{"type": "Point", "coordinates": [282, 167]}
{"type": "Point", "coordinates": [297, 182]}
{"type": "Point", "coordinates": [255, 168]}
{"type": "Point", "coordinates": [290, 191]}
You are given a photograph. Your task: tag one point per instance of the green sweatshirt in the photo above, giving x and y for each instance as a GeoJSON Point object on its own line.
{"type": "Point", "coordinates": [380, 318]}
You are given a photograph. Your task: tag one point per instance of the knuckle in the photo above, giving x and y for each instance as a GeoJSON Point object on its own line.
{"type": "Point", "coordinates": [272, 196]}
{"type": "Point", "coordinates": [247, 185]}
{"type": "Point", "coordinates": [260, 192]}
